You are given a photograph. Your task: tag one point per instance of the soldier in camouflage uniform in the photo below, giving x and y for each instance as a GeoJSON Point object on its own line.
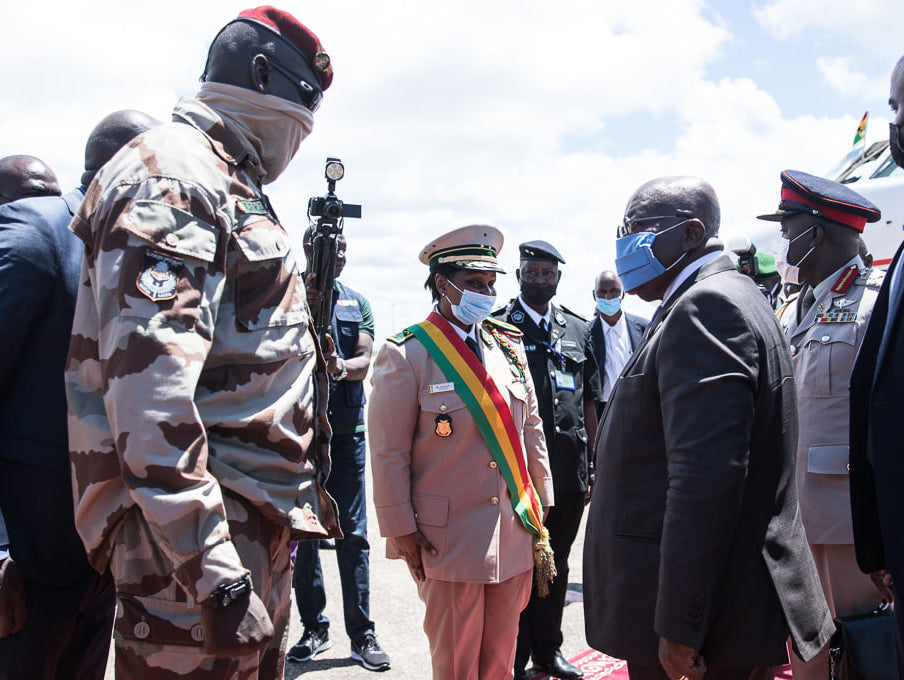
{"type": "Point", "coordinates": [196, 389]}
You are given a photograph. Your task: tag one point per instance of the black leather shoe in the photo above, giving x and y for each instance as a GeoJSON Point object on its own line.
{"type": "Point", "coordinates": [558, 667]}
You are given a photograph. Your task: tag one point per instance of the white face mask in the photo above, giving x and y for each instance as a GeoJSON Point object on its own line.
{"type": "Point", "coordinates": [274, 126]}
{"type": "Point", "coordinates": [473, 307]}
{"type": "Point", "coordinates": [790, 273]}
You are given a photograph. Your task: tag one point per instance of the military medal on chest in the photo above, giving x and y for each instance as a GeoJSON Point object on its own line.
{"type": "Point", "coordinates": [841, 310]}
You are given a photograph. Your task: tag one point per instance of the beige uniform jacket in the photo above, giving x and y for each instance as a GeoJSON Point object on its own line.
{"type": "Point", "coordinates": [823, 347]}
{"type": "Point", "coordinates": [450, 487]}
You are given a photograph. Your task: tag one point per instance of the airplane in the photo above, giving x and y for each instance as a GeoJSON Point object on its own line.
{"type": "Point", "coordinates": [870, 171]}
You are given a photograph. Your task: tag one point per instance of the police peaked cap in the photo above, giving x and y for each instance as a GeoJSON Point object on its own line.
{"type": "Point", "coordinates": [296, 35]}
{"type": "Point", "coordinates": [807, 194]}
{"type": "Point", "coordinates": [540, 250]}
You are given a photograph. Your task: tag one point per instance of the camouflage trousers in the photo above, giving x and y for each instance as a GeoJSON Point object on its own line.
{"type": "Point", "coordinates": [158, 634]}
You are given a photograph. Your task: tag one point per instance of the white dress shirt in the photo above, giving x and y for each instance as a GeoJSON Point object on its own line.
{"type": "Point", "coordinates": [618, 351]}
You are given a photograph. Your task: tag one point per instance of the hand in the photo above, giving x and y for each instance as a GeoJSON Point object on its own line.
{"type": "Point", "coordinates": [680, 661]}
{"type": "Point", "coordinates": [591, 480]}
{"type": "Point", "coordinates": [410, 547]}
{"type": "Point", "coordinates": [313, 293]}
{"type": "Point", "coordinates": [238, 629]}
{"type": "Point", "coordinates": [12, 598]}
{"type": "Point", "coordinates": [884, 584]}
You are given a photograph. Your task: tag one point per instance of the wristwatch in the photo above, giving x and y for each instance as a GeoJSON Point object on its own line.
{"type": "Point", "coordinates": [227, 593]}
{"type": "Point", "coordinates": [344, 372]}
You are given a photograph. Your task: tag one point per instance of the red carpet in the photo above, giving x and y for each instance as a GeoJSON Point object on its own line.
{"type": "Point", "coordinates": [597, 665]}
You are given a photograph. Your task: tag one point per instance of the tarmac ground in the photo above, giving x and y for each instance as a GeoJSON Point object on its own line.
{"type": "Point", "coordinates": [398, 614]}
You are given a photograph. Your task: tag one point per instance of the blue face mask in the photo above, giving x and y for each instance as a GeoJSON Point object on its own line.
{"type": "Point", "coordinates": [608, 307]}
{"type": "Point", "coordinates": [634, 259]}
{"type": "Point", "coordinates": [473, 307]}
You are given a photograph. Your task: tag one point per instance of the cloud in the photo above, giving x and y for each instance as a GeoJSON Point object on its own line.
{"type": "Point", "coordinates": [843, 78]}
{"type": "Point", "coordinates": [871, 25]}
{"type": "Point", "coordinates": [538, 118]}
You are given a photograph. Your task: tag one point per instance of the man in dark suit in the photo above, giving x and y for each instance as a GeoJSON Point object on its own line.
{"type": "Point", "coordinates": [876, 453]}
{"type": "Point", "coordinates": [25, 177]}
{"type": "Point", "coordinates": [56, 612]}
{"type": "Point", "coordinates": [560, 359]}
{"type": "Point", "coordinates": [615, 333]}
{"type": "Point", "coordinates": [695, 557]}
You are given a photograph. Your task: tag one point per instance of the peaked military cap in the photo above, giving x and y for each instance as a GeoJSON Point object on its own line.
{"type": "Point", "coordinates": [540, 250]}
{"type": "Point", "coordinates": [295, 34]}
{"type": "Point", "coordinates": [472, 247]}
{"type": "Point", "coordinates": [804, 193]}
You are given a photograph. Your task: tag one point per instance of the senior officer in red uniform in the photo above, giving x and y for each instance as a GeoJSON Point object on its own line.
{"type": "Point", "coordinates": [461, 476]}
{"type": "Point", "coordinates": [821, 223]}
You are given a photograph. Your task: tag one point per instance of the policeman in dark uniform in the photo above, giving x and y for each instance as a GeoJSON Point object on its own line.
{"type": "Point", "coordinates": [566, 378]}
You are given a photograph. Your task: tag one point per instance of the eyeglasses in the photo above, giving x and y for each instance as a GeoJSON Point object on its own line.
{"type": "Point", "coordinates": [628, 226]}
{"type": "Point", "coordinates": [310, 96]}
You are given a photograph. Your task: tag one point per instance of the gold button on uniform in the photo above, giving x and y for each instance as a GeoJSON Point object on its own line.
{"type": "Point", "coordinates": [494, 500]}
{"type": "Point", "coordinates": [493, 464]}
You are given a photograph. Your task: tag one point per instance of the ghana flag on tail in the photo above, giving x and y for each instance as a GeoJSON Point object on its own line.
{"type": "Point", "coordinates": [494, 420]}
{"type": "Point", "coordinates": [861, 130]}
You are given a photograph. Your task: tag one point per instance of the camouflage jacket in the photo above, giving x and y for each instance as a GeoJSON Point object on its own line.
{"type": "Point", "coordinates": [192, 364]}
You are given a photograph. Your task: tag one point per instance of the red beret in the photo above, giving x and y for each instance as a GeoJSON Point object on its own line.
{"type": "Point", "coordinates": [296, 34]}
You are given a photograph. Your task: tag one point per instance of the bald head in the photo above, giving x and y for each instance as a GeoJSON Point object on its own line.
{"type": "Point", "coordinates": [24, 176]}
{"type": "Point", "coordinates": [679, 196]}
{"type": "Point", "coordinates": [111, 134]}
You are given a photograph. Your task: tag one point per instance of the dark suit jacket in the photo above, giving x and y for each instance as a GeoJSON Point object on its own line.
{"type": "Point", "coordinates": [877, 451]}
{"type": "Point", "coordinates": [694, 531]}
{"type": "Point", "coordinates": [40, 262]}
{"type": "Point", "coordinates": [636, 326]}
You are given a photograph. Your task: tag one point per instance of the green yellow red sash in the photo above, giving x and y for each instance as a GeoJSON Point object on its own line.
{"type": "Point", "coordinates": [490, 411]}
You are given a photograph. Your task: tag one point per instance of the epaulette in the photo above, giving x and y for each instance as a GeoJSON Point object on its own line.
{"type": "Point", "coordinates": [401, 337]}
{"type": "Point", "coordinates": [569, 312]}
{"type": "Point", "coordinates": [506, 328]}
{"type": "Point", "coordinates": [875, 278]}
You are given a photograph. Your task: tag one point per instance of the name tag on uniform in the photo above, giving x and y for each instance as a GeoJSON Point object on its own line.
{"type": "Point", "coordinates": [564, 381]}
{"type": "Point", "coordinates": [441, 387]}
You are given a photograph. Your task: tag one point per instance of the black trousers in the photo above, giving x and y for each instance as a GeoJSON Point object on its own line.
{"type": "Point", "coordinates": [540, 626]}
{"type": "Point", "coordinates": [67, 633]}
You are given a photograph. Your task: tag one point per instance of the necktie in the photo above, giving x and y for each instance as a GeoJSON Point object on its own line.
{"type": "Point", "coordinates": [472, 344]}
{"type": "Point", "coordinates": [544, 329]}
{"type": "Point", "coordinates": [808, 300]}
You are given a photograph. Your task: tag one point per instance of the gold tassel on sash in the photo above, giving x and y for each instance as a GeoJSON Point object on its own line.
{"type": "Point", "coordinates": [543, 559]}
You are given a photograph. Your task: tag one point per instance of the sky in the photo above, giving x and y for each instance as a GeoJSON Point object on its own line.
{"type": "Point", "coordinates": [539, 118]}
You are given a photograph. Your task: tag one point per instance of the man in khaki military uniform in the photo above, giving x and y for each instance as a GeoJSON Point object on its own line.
{"type": "Point", "coordinates": [196, 390]}
{"type": "Point", "coordinates": [441, 493]}
{"type": "Point", "coordinates": [824, 323]}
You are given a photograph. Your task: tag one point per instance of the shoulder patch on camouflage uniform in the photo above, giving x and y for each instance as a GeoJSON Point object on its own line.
{"type": "Point", "coordinates": [506, 328]}
{"type": "Point", "coordinates": [157, 281]}
{"type": "Point", "coordinates": [401, 337]}
{"type": "Point", "coordinates": [251, 207]}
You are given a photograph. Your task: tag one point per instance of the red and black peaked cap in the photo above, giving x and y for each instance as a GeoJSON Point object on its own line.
{"type": "Point", "coordinates": [805, 193]}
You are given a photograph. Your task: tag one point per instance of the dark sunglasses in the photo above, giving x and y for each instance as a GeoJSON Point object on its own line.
{"type": "Point", "coordinates": [310, 96]}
